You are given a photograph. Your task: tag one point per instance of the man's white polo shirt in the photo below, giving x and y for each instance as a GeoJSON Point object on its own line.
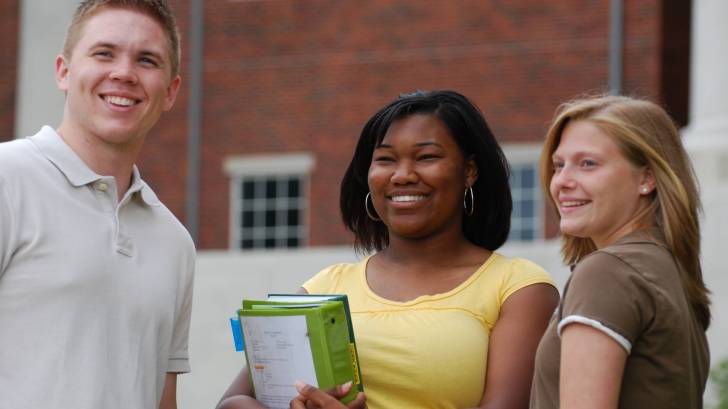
{"type": "Point", "coordinates": [95, 293]}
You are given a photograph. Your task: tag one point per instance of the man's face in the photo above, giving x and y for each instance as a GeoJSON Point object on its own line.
{"type": "Point", "coordinates": [117, 79]}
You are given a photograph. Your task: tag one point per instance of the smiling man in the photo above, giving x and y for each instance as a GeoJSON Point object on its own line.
{"type": "Point", "coordinates": [95, 272]}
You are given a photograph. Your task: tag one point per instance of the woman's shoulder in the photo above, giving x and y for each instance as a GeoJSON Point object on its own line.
{"type": "Point", "coordinates": [641, 268]}
{"type": "Point", "coordinates": [507, 275]}
{"type": "Point", "coordinates": [515, 267]}
{"type": "Point", "coordinates": [638, 256]}
{"type": "Point", "coordinates": [335, 276]}
{"type": "Point", "coordinates": [637, 269]}
{"type": "Point", "coordinates": [496, 280]}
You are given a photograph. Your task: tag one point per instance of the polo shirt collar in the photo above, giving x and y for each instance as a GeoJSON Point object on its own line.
{"type": "Point", "coordinates": [78, 174]}
{"type": "Point", "coordinates": [142, 189]}
{"type": "Point", "coordinates": [63, 157]}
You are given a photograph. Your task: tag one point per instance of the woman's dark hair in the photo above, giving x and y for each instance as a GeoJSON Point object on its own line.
{"type": "Point", "coordinates": [490, 222]}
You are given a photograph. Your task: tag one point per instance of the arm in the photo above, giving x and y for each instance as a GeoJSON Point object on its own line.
{"type": "Point", "coordinates": [592, 364]}
{"type": "Point", "coordinates": [512, 348]}
{"type": "Point", "coordinates": [593, 360]}
{"type": "Point", "coordinates": [239, 395]}
{"type": "Point", "coordinates": [169, 393]}
{"type": "Point", "coordinates": [8, 240]}
{"type": "Point", "coordinates": [178, 357]}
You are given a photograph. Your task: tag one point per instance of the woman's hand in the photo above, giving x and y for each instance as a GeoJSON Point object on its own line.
{"type": "Point", "coordinates": [312, 398]}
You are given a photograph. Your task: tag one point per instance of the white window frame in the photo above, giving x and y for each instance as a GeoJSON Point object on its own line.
{"type": "Point", "coordinates": [528, 154]}
{"type": "Point", "coordinates": [241, 167]}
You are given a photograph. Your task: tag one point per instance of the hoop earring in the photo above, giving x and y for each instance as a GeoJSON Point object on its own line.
{"type": "Point", "coordinates": [367, 198]}
{"type": "Point", "coordinates": [469, 212]}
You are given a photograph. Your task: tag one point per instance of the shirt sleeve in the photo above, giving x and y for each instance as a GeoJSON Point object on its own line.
{"type": "Point", "coordinates": [8, 227]}
{"type": "Point", "coordinates": [323, 282]}
{"type": "Point", "coordinates": [179, 355]}
{"type": "Point", "coordinates": [522, 274]}
{"type": "Point", "coordinates": [608, 294]}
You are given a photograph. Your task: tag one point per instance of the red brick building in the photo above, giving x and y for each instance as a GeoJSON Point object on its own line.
{"type": "Point", "coordinates": [300, 78]}
{"type": "Point", "coordinates": [9, 12]}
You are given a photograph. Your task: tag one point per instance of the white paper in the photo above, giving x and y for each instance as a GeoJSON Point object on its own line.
{"type": "Point", "coordinates": [279, 353]}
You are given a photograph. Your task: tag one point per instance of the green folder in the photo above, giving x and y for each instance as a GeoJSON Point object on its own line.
{"type": "Point", "coordinates": [329, 297]}
{"type": "Point", "coordinates": [306, 341]}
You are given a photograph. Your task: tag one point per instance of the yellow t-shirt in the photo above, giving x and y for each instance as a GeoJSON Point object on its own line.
{"type": "Point", "coordinates": [430, 352]}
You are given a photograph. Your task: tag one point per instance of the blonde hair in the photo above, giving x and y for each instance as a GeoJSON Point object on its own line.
{"type": "Point", "coordinates": [158, 10]}
{"type": "Point", "coordinates": [646, 136]}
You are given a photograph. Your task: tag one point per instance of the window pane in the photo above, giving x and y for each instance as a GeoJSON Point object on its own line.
{"type": "Point", "coordinates": [528, 208]}
{"type": "Point", "coordinates": [527, 235]}
{"type": "Point", "coordinates": [293, 188]}
{"type": "Point", "coordinates": [515, 175]}
{"type": "Point", "coordinates": [292, 242]}
{"type": "Point", "coordinates": [281, 218]}
{"type": "Point", "coordinates": [515, 234]}
{"type": "Point", "coordinates": [270, 243]}
{"type": "Point", "coordinates": [270, 218]}
{"type": "Point", "coordinates": [270, 189]}
{"type": "Point", "coordinates": [248, 189]}
{"type": "Point", "coordinates": [293, 217]}
{"type": "Point", "coordinates": [525, 218]}
{"type": "Point", "coordinates": [258, 218]}
{"type": "Point", "coordinates": [528, 178]}
{"type": "Point", "coordinates": [247, 219]}
{"type": "Point", "coordinates": [517, 205]}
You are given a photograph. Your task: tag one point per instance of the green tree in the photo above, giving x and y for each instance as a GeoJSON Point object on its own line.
{"type": "Point", "coordinates": [719, 376]}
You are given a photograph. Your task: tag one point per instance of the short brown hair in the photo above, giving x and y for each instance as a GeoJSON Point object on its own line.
{"type": "Point", "coordinates": [159, 10]}
{"type": "Point", "coordinates": [647, 137]}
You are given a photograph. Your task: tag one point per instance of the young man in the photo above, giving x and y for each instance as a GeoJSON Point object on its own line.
{"type": "Point", "coordinates": [95, 273]}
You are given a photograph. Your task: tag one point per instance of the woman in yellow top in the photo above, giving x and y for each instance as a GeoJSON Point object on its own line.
{"type": "Point", "coordinates": [441, 319]}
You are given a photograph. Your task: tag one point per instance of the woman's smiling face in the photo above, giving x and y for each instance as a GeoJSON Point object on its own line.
{"type": "Point", "coordinates": [417, 178]}
{"type": "Point", "coordinates": [598, 192]}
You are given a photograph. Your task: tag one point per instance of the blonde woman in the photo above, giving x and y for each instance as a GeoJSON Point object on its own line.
{"type": "Point", "coordinates": [630, 329]}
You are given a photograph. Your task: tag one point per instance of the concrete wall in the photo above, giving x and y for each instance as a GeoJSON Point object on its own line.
{"type": "Point", "coordinates": [39, 102]}
{"type": "Point", "coordinates": [715, 236]}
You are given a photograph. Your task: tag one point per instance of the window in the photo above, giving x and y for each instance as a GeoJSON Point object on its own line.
{"type": "Point", "coordinates": [268, 201]}
{"type": "Point", "coordinates": [527, 216]}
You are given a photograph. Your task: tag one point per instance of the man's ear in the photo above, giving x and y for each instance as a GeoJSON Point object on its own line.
{"type": "Point", "coordinates": [471, 172]}
{"type": "Point", "coordinates": [172, 90]}
{"type": "Point", "coordinates": [62, 73]}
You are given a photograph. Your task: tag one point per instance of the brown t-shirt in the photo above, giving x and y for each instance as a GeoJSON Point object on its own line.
{"type": "Point", "coordinates": [632, 292]}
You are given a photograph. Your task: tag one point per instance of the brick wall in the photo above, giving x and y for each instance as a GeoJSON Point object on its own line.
{"type": "Point", "coordinates": [9, 16]}
{"type": "Point", "coordinates": [163, 162]}
{"type": "Point", "coordinates": [304, 75]}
